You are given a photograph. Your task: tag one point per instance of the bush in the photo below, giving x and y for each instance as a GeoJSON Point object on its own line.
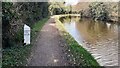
{"type": "Point", "coordinates": [15, 15]}
{"type": "Point", "coordinates": [98, 11]}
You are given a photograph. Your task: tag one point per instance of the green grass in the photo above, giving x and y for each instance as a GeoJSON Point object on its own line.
{"type": "Point", "coordinates": [82, 56]}
{"type": "Point", "coordinates": [18, 55]}
{"type": "Point", "coordinates": [15, 56]}
{"type": "Point", "coordinates": [37, 27]}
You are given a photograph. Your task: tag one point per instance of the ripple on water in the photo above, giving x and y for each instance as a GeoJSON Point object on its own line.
{"type": "Point", "coordinates": [97, 38]}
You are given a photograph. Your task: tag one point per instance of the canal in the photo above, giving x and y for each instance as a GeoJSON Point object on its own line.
{"type": "Point", "coordinates": [98, 38]}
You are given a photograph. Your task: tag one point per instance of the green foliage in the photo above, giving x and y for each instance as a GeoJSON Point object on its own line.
{"type": "Point", "coordinates": [18, 55]}
{"type": "Point", "coordinates": [8, 14]}
{"type": "Point", "coordinates": [99, 11]}
{"type": "Point", "coordinates": [19, 37]}
{"type": "Point", "coordinates": [15, 15]}
{"type": "Point", "coordinates": [15, 56]}
{"type": "Point", "coordinates": [33, 12]}
{"type": "Point", "coordinates": [6, 22]}
{"type": "Point", "coordinates": [82, 56]}
{"type": "Point", "coordinates": [56, 8]}
{"type": "Point", "coordinates": [37, 26]}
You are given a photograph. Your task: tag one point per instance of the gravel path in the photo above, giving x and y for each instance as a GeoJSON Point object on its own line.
{"type": "Point", "coordinates": [49, 48]}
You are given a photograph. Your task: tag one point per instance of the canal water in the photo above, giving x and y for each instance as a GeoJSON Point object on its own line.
{"type": "Point", "coordinates": [99, 38]}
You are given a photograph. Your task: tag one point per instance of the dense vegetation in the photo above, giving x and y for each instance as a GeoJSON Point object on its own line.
{"type": "Point", "coordinates": [57, 8]}
{"type": "Point", "coordinates": [18, 56]}
{"type": "Point", "coordinates": [98, 11]}
{"type": "Point", "coordinates": [15, 15]}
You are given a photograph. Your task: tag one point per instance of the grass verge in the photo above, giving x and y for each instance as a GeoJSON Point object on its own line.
{"type": "Point", "coordinates": [18, 55]}
{"type": "Point", "coordinates": [37, 27]}
{"type": "Point", "coordinates": [79, 55]}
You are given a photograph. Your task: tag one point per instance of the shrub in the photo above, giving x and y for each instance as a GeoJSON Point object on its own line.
{"type": "Point", "coordinates": [98, 11]}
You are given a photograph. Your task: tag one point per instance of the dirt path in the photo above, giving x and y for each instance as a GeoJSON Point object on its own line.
{"type": "Point", "coordinates": [49, 50]}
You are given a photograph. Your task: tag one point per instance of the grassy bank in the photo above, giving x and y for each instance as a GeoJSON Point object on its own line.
{"type": "Point", "coordinates": [17, 55]}
{"type": "Point", "coordinates": [37, 27]}
{"type": "Point", "coordinates": [79, 55]}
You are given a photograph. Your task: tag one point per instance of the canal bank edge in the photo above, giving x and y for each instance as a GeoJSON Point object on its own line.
{"type": "Point", "coordinates": [79, 56]}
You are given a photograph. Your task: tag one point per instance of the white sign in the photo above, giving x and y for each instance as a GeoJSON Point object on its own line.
{"type": "Point", "coordinates": [26, 34]}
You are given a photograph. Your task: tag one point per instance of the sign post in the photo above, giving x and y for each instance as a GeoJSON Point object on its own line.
{"type": "Point", "coordinates": [26, 34]}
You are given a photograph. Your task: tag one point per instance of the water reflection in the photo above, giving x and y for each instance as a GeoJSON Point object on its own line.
{"type": "Point", "coordinates": [90, 30]}
{"type": "Point", "coordinates": [100, 38]}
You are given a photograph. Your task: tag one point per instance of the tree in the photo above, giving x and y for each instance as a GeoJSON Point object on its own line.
{"type": "Point", "coordinates": [56, 8]}
{"type": "Point", "coordinates": [98, 11]}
